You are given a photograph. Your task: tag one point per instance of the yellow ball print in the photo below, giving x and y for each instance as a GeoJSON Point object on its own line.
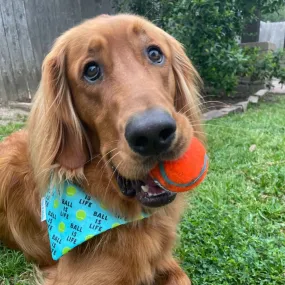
{"type": "Point", "coordinates": [56, 203]}
{"type": "Point", "coordinates": [89, 237]}
{"type": "Point", "coordinates": [66, 250]}
{"type": "Point", "coordinates": [61, 227]}
{"type": "Point", "coordinates": [70, 191]}
{"type": "Point", "coordinates": [140, 217]}
{"type": "Point", "coordinates": [80, 215]}
{"type": "Point", "coordinates": [103, 206]}
{"type": "Point", "coordinates": [115, 225]}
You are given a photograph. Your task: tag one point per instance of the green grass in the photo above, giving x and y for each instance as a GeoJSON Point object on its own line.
{"type": "Point", "coordinates": [14, 270]}
{"type": "Point", "coordinates": [8, 129]}
{"type": "Point", "coordinates": [234, 229]}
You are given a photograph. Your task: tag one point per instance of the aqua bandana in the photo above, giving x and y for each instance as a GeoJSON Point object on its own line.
{"type": "Point", "coordinates": [74, 217]}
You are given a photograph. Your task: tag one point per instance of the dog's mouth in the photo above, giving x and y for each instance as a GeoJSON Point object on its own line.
{"type": "Point", "coordinates": [147, 191]}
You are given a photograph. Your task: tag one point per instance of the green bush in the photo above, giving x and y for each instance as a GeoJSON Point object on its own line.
{"type": "Point", "coordinates": [265, 67]}
{"type": "Point", "coordinates": [209, 31]}
{"type": "Point", "coordinates": [275, 17]}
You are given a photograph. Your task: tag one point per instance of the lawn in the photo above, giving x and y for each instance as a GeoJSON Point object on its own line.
{"type": "Point", "coordinates": [234, 229]}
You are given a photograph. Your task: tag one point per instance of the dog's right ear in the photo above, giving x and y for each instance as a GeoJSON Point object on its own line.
{"type": "Point", "coordinates": [188, 82]}
{"type": "Point", "coordinates": [57, 139]}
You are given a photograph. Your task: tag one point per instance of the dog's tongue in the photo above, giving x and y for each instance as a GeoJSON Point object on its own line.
{"type": "Point", "coordinates": [151, 187]}
{"type": "Point", "coordinates": [150, 182]}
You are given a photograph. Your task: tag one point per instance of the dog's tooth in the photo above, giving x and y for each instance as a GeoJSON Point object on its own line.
{"type": "Point", "coordinates": [145, 188]}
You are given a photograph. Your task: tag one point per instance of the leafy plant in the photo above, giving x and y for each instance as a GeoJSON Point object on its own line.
{"type": "Point", "coordinates": [265, 67]}
{"type": "Point", "coordinates": [278, 16]}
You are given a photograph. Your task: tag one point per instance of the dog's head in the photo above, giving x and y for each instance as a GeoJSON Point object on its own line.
{"type": "Point", "coordinates": [120, 88]}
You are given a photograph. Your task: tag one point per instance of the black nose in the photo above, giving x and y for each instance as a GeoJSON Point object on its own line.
{"type": "Point", "coordinates": [150, 132]}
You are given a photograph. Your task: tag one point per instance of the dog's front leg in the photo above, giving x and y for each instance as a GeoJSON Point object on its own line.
{"type": "Point", "coordinates": [170, 273]}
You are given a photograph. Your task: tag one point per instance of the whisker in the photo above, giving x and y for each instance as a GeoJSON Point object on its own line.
{"type": "Point", "coordinates": [114, 171]}
{"type": "Point", "coordinates": [110, 142]}
{"type": "Point", "coordinates": [103, 156]}
{"type": "Point", "coordinates": [110, 159]}
{"type": "Point", "coordinates": [93, 157]}
{"type": "Point", "coordinates": [105, 165]}
{"type": "Point", "coordinates": [202, 133]}
{"type": "Point", "coordinates": [182, 111]}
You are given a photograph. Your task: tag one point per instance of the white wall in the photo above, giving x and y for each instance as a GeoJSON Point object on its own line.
{"type": "Point", "coordinates": [272, 32]}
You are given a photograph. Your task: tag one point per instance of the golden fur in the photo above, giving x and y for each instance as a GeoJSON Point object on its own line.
{"type": "Point", "coordinates": [76, 130]}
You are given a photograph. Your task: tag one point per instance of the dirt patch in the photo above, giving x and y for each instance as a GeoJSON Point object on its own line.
{"type": "Point", "coordinates": [8, 115]}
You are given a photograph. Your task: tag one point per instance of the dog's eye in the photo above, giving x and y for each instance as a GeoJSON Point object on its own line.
{"type": "Point", "coordinates": [155, 55]}
{"type": "Point", "coordinates": [92, 72]}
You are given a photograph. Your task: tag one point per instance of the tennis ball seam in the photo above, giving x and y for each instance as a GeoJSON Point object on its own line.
{"type": "Point", "coordinates": [192, 182]}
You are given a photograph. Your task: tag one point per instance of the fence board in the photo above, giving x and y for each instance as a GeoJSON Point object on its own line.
{"type": "Point", "coordinates": [44, 24]}
{"type": "Point", "coordinates": [34, 33]}
{"type": "Point", "coordinates": [14, 49]}
{"type": "Point", "coordinates": [79, 12]}
{"type": "Point", "coordinates": [65, 15]}
{"type": "Point", "coordinates": [6, 68]}
{"type": "Point", "coordinates": [3, 94]}
{"type": "Point", "coordinates": [51, 11]}
{"type": "Point", "coordinates": [26, 46]}
{"type": "Point", "coordinates": [89, 8]}
{"type": "Point", "coordinates": [106, 7]}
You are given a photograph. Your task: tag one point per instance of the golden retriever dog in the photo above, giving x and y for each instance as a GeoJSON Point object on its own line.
{"type": "Point", "coordinates": [117, 96]}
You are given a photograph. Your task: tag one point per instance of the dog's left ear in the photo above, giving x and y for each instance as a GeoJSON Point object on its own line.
{"type": "Point", "coordinates": [188, 83]}
{"type": "Point", "coordinates": [57, 138]}
{"type": "Point", "coordinates": [73, 149]}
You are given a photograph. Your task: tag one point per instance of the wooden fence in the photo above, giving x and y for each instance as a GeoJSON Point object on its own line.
{"type": "Point", "coordinates": [27, 31]}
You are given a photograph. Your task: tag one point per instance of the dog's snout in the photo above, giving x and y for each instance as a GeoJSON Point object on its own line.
{"type": "Point", "coordinates": [150, 132]}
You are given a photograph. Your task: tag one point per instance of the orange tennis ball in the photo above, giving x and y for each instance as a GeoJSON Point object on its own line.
{"type": "Point", "coordinates": [185, 173]}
